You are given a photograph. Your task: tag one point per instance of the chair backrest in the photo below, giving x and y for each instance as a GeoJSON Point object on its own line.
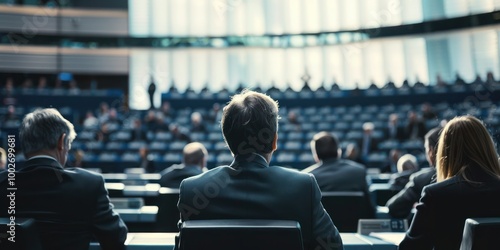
{"type": "Point", "coordinates": [168, 215]}
{"type": "Point", "coordinates": [24, 234]}
{"type": "Point", "coordinates": [481, 233]}
{"type": "Point", "coordinates": [240, 234]}
{"type": "Point", "coordinates": [346, 208]}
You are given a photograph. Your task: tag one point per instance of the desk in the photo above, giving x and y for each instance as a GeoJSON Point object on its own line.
{"type": "Point", "coordinates": [119, 189]}
{"type": "Point", "coordinates": [143, 214]}
{"type": "Point", "coordinates": [121, 177]}
{"type": "Point", "coordinates": [166, 241]}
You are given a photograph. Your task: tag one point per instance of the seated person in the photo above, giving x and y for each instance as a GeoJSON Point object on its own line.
{"type": "Point", "coordinates": [251, 189]}
{"type": "Point", "coordinates": [70, 206]}
{"type": "Point", "coordinates": [194, 162]}
{"type": "Point", "coordinates": [333, 173]}
{"type": "Point", "coordinates": [401, 204]}
{"type": "Point", "coordinates": [468, 186]}
{"type": "Point", "coordinates": [146, 162]}
{"type": "Point", "coordinates": [391, 166]}
{"type": "Point", "coordinates": [352, 153]}
{"type": "Point", "coordinates": [368, 143]}
{"type": "Point", "coordinates": [407, 165]}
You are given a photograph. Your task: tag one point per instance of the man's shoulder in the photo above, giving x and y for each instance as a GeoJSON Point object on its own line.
{"type": "Point", "coordinates": [424, 175]}
{"type": "Point", "coordinates": [223, 172]}
{"type": "Point", "coordinates": [83, 173]}
{"type": "Point", "coordinates": [350, 165]}
{"type": "Point", "coordinates": [174, 167]}
{"type": "Point", "coordinates": [282, 171]}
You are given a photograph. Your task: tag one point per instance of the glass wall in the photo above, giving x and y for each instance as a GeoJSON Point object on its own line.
{"type": "Point", "coordinates": [467, 52]}
{"type": "Point", "coordinates": [201, 18]}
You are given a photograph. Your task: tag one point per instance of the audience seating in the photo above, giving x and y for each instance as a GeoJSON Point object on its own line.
{"type": "Point", "coordinates": [26, 235]}
{"type": "Point", "coordinates": [346, 208]}
{"type": "Point", "coordinates": [240, 234]}
{"type": "Point", "coordinates": [481, 233]}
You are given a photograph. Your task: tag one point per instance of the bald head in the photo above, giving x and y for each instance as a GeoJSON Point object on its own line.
{"type": "Point", "coordinates": [195, 154]}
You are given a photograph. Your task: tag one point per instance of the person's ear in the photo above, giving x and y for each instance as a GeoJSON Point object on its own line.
{"type": "Point", "coordinates": [275, 142]}
{"type": "Point", "coordinates": [61, 142]}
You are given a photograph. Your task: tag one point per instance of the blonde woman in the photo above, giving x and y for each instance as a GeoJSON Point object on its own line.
{"type": "Point", "coordinates": [468, 185]}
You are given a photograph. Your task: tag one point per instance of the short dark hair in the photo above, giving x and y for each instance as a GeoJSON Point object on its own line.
{"type": "Point", "coordinates": [432, 137]}
{"type": "Point", "coordinates": [249, 123]}
{"type": "Point", "coordinates": [325, 145]}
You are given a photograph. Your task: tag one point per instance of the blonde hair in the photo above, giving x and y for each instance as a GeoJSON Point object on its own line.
{"type": "Point", "coordinates": [465, 143]}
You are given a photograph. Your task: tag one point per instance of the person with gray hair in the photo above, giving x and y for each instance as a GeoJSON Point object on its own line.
{"type": "Point", "coordinates": [407, 165]}
{"type": "Point", "coordinates": [70, 205]}
{"type": "Point", "coordinates": [194, 162]}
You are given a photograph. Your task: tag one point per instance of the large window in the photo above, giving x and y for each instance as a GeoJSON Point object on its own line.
{"type": "Point", "coordinates": [422, 58]}
{"type": "Point", "coordinates": [200, 18]}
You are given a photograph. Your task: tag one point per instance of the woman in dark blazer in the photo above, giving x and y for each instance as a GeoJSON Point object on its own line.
{"type": "Point", "coordinates": [468, 185]}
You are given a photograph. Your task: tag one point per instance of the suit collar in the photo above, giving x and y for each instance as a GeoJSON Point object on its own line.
{"type": "Point", "coordinates": [41, 161]}
{"type": "Point", "coordinates": [249, 160]}
{"type": "Point", "coordinates": [329, 161]}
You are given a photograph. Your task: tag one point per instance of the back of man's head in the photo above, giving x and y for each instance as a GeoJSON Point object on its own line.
{"type": "Point", "coordinates": [194, 154]}
{"type": "Point", "coordinates": [407, 162]}
{"type": "Point", "coordinates": [325, 146]}
{"type": "Point", "coordinates": [41, 130]}
{"type": "Point", "coordinates": [250, 123]}
{"type": "Point", "coordinates": [431, 144]}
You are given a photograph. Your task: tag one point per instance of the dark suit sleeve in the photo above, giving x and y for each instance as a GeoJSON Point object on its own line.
{"type": "Point", "coordinates": [107, 226]}
{"type": "Point", "coordinates": [325, 234]}
{"type": "Point", "coordinates": [400, 205]}
{"type": "Point", "coordinates": [420, 234]}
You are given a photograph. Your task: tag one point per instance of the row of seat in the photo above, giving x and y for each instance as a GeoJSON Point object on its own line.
{"type": "Point", "coordinates": [479, 234]}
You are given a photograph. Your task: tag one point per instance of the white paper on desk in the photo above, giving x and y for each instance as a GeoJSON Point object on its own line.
{"type": "Point", "coordinates": [394, 238]}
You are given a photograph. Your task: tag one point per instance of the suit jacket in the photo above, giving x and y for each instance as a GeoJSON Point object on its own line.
{"type": "Point", "coordinates": [70, 206]}
{"type": "Point", "coordinates": [420, 133]}
{"type": "Point", "coordinates": [371, 147]}
{"type": "Point", "coordinates": [401, 204]}
{"type": "Point", "coordinates": [173, 176]}
{"type": "Point", "coordinates": [399, 180]}
{"type": "Point", "coordinates": [341, 175]}
{"type": "Point", "coordinates": [444, 207]}
{"type": "Point", "coordinates": [399, 133]}
{"type": "Point", "coordinates": [250, 189]}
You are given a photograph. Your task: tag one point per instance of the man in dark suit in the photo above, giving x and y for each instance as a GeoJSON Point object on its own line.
{"type": "Point", "coordinates": [401, 204]}
{"type": "Point", "coordinates": [394, 131]}
{"type": "Point", "coordinates": [415, 128]}
{"type": "Point", "coordinates": [367, 143]}
{"type": "Point", "coordinates": [70, 206]}
{"type": "Point", "coordinates": [333, 173]}
{"type": "Point", "coordinates": [194, 163]}
{"type": "Point", "coordinates": [251, 189]}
